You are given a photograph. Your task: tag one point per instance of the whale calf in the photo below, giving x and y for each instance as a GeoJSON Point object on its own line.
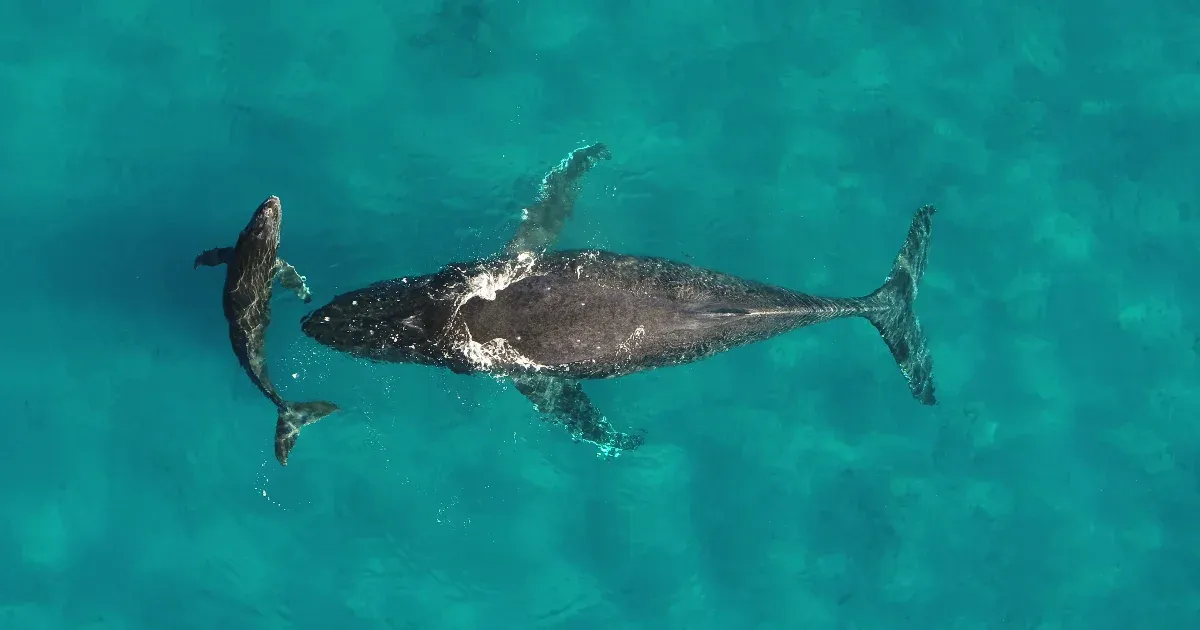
{"type": "Point", "coordinates": [251, 267]}
{"type": "Point", "coordinates": [550, 319]}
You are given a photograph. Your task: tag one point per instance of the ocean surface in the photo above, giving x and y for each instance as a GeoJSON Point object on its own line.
{"type": "Point", "coordinates": [790, 484]}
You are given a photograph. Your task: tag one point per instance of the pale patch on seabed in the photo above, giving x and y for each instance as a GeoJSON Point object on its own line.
{"type": "Point", "coordinates": [565, 593]}
{"type": "Point", "coordinates": [45, 540]}
{"type": "Point", "coordinates": [34, 616]}
{"type": "Point", "coordinates": [654, 489]}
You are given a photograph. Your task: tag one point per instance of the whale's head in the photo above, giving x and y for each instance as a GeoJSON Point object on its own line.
{"type": "Point", "coordinates": [393, 321]}
{"type": "Point", "coordinates": [264, 225]}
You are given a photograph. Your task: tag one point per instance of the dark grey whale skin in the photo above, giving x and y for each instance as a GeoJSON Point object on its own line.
{"type": "Point", "coordinates": [550, 319]}
{"type": "Point", "coordinates": [251, 268]}
{"type": "Point", "coordinates": [599, 314]}
{"type": "Point", "coordinates": [583, 314]}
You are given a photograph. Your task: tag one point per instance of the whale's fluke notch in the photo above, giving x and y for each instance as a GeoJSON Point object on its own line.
{"type": "Point", "coordinates": [564, 403]}
{"type": "Point", "coordinates": [544, 220]}
{"type": "Point", "coordinates": [895, 318]}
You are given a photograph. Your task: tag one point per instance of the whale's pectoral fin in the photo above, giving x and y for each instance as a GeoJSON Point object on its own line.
{"type": "Point", "coordinates": [564, 403]}
{"type": "Point", "coordinates": [214, 257]}
{"type": "Point", "coordinates": [544, 220]}
{"type": "Point", "coordinates": [291, 279]}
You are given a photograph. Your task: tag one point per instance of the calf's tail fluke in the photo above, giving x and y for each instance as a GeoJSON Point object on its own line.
{"type": "Point", "coordinates": [891, 309]}
{"type": "Point", "coordinates": [292, 418]}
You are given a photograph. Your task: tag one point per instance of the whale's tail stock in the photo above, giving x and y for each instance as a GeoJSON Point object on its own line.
{"type": "Point", "coordinates": [893, 311]}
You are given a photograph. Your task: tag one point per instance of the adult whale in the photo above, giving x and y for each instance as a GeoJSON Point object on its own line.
{"type": "Point", "coordinates": [548, 319]}
{"type": "Point", "coordinates": [251, 267]}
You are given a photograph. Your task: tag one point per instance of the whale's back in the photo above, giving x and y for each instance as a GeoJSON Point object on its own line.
{"type": "Point", "coordinates": [596, 314]}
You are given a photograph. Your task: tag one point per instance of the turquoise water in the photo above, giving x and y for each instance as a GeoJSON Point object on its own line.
{"type": "Point", "coordinates": [789, 484]}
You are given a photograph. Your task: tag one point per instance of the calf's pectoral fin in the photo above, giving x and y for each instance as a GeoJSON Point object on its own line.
{"type": "Point", "coordinates": [564, 403]}
{"type": "Point", "coordinates": [214, 257]}
{"type": "Point", "coordinates": [291, 279]}
{"type": "Point", "coordinates": [544, 220]}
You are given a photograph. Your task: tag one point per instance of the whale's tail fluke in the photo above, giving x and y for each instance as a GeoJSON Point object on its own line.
{"type": "Point", "coordinates": [292, 418]}
{"type": "Point", "coordinates": [893, 314]}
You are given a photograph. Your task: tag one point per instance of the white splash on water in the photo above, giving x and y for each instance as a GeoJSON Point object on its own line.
{"type": "Point", "coordinates": [494, 353]}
